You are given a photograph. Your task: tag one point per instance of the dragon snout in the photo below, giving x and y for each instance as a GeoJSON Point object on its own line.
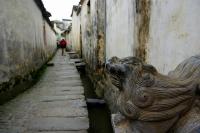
{"type": "Point", "coordinates": [197, 90]}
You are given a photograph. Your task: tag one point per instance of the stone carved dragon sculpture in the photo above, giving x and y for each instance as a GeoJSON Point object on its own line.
{"type": "Point", "coordinates": [156, 103]}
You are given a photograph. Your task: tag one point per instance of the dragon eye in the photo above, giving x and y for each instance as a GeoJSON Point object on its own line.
{"type": "Point", "coordinates": [146, 76]}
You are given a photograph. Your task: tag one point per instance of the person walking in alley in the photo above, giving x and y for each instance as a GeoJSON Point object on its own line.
{"type": "Point", "coordinates": [63, 45]}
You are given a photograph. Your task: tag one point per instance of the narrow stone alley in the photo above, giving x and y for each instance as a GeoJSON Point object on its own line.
{"type": "Point", "coordinates": [129, 66]}
{"type": "Point", "coordinates": [56, 104]}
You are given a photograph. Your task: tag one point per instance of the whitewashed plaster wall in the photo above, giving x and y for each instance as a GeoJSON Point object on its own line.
{"type": "Point", "coordinates": [174, 32]}
{"type": "Point", "coordinates": [76, 32]}
{"type": "Point", "coordinates": [119, 28]}
{"type": "Point", "coordinates": [51, 39]}
{"type": "Point", "coordinates": [22, 47]}
{"type": "Point", "coordinates": [86, 32]}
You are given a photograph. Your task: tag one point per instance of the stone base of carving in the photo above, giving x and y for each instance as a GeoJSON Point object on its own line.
{"type": "Point", "coordinates": [120, 124]}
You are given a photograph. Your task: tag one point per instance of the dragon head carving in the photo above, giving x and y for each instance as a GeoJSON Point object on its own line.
{"type": "Point", "coordinates": [146, 95]}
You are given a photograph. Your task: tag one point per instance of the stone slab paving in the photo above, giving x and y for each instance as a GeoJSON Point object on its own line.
{"type": "Point", "coordinates": [56, 104]}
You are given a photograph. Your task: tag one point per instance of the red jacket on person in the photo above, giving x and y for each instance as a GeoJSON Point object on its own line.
{"type": "Point", "coordinates": [63, 43]}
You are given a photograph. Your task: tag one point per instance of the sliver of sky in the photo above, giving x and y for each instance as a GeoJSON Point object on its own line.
{"type": "Point", "coordinates": [60, 9]}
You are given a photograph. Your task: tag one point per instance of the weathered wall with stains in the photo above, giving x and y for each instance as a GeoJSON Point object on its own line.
{"type": "Point", "coordinates": [120, 28]}
{"type": "Point", "coordinates": [26, 39]}
{"type": "Point", "coordinates": [101, 35]}
{"type": "Point", "coordinates": [174, 32]}
{"type": "Point", "coordinates": [75, 38]}
{"type": "Point", "coordinates": [92, 29]}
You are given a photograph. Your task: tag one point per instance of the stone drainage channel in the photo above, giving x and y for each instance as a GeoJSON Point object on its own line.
{"type": "Point", "coordinates": [99, 114]}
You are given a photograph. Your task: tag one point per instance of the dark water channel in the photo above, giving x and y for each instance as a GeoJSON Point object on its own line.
{"type": "Point", "coordinates": [99, 116]}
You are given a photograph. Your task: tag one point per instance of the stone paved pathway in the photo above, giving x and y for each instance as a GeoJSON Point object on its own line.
{"type": "Point", "coordinates": [56, 104]}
